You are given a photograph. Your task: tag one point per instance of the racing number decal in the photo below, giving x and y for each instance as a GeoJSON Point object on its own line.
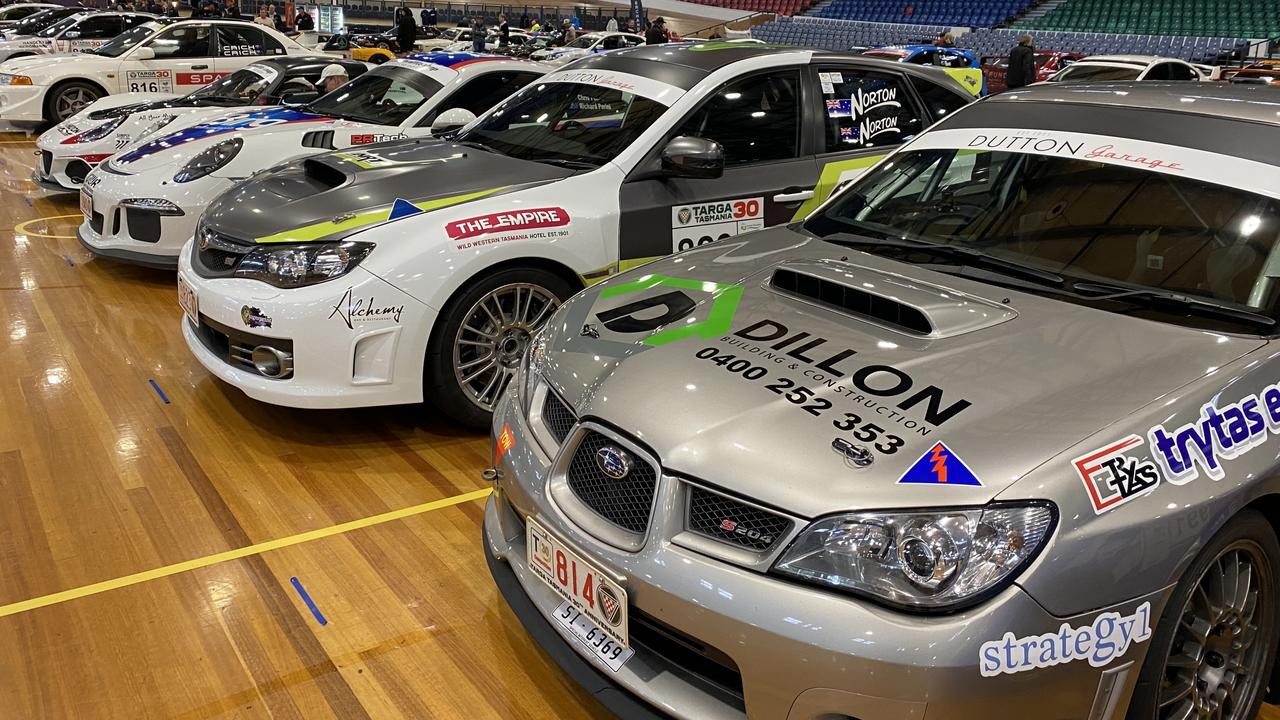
{"type": "Point", "coordinates": [696, 225]}
{"type": "Point", "coordinates": [156, 81]}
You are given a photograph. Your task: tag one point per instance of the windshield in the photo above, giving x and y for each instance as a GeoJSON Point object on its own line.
{"type": "Point", "coordinates": [565, 122]}
{"type": "Point", "coordinates": [120, 44]}
{"type": "Point", "coordinates": [41, 20]}
{"type": "Point", "coordinates": [13, 13]}
{"type": "Point", "coordinates": [240, 87]}
{"type": "Point", "coordinates": [1080, 72]}
{"type": "Point", "coordinates": [386, 96]}
{"type": "Point", "coordinates": [1080, 219]}
{"type": "Point", "coordinates": [56, 29]}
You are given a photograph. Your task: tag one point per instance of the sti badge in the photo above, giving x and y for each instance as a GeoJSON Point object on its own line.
{"type": "Point", "coordinates": [939, 466]}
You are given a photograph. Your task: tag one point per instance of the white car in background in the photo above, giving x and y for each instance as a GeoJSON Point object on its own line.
{"type": "Point", "coordinates": [1121, 68]}
{"type": "Point", "coordinates": [160, 56]}
{"type": "Point", "coordinates": [37, 21]}
{"type": "Point", "coordinates": [142, 205]}
{"type": "Point", "coordinates": [11, 14]}
{"type": "Point", "coordinates": [588, 44]}
{"type": "Point", "coordinates": [491, 42]}
{"type": "Point", "coordinates": [74, 33]}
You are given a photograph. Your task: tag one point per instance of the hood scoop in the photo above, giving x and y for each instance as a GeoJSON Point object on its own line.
{"type": "Point", "coordinates": [891, 301]}
{"type": "Point", "coordinates": [322, 175]}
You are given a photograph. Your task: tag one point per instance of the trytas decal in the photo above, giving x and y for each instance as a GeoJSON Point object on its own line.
{"type": "Point", "coordinates": [353, 310]}
{"type": "Point", "coordinates": [1113, 478]}
{"type": "Point", "coordinates": [1109, 637]}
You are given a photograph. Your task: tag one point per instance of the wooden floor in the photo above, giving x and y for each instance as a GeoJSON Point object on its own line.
{"type": "Point", "coordinates": [101, 479]}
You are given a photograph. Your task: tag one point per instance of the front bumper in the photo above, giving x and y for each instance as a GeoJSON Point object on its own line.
{"type": "Point", "coordinates": [63, 170]}
{"type": "Point", "coordinates": [801, 653]}
{"type": "Point", "coordinates": [116, 231]}
{"type": "Point", "coordinates": [378, 362]}
{"type": "Point", "coordinates": [22, 103]}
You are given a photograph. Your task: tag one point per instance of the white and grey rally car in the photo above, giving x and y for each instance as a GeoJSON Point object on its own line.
{"type": "Point", "coordinates": [588, 44]}
{"type": "Point", "coordinates": [11, 14]}
{"type": "Point", "coordinates": [159, 188]}
{"type": "Point", "coordinates": [161, 56]}
{"type": "Point", "coordinates": [69, 150]}
{"type": "Point", "coordinates": [420, 269]}
{"type": "Point", "coordinates": [73, 34]}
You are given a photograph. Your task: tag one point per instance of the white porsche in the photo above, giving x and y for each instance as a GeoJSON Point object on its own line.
{"type": "Point", "coordinates": [160, 56]}
{"type": "Point", "coordinates": [158, 189]}
{"type": "Point", "coordinates": [589, 44]}
{"type": "Point", "coordinates": [73, 34]}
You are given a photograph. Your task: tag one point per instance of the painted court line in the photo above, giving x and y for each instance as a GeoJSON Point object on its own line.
{"type": "Point", "coordinates": [307, 599]}
{"type": "Point", "coordinates": [159, 392]}
{"type": "Point", "coordinates": [197, 563]}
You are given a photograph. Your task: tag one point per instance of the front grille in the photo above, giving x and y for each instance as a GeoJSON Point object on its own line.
{"type": "Point", "coordinates": [220, 257]}
{"type": "Point", "coordinates": [46, 162]}
{"type": "Point", "coordinates": [686, 656]}
{"type": "Point", "coordinates": [96, 221]}
{"type": "Point", "coordinates": [235, 347]}
{"type": "Point", "coordinates": [77, 170]}
{"type": "Point", "coordinates": [144, 225]}
{"type": "Point", "coordinates": [625, 502]}
{"type": "Point", "coordinates": [557, 416]}
{"type": "Point", "coordinates": [735, 523]}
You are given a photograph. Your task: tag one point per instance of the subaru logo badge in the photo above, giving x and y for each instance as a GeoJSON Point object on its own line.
{"type": "Point", "coordinates": [614, 462]}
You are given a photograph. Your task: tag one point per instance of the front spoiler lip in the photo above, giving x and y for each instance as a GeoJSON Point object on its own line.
{"type": "Point", "coordinates": [49, 184]}
{"type": "Point", "coordinates": [157, 262]}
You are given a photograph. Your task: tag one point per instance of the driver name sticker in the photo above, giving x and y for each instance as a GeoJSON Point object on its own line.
{"type": "Point", "coordinates": [156, 81]}
{"type": "Point", "coordinates": [263, 71]}
{"type": "Point", "coordinates": [626, 82]}
{"type": "Point", "coordinates": [696, 225]}
{"type": "Point", "coordinates": [531, 224]}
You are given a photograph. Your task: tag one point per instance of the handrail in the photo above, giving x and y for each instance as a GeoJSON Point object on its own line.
{"type": "Point", "coordinates": [725, 23]}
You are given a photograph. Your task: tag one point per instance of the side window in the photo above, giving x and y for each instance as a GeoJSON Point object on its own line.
{"type": "Point", "coordinates": [98, 28]}
{"type": "Point", "coordinates": [182, 41]}
{"type": "Point", "coordinates": [237, 41]}
{"type": "Point", "coordinates": [926, 57]}
{"type": "Point", "coordinates": [482, 93]}
{"type": "Point", "coordinates": [613, 42]}
{"type": "Point", "coordinates": [134, 20]}
{"type": "Point", "coordinates": [756, 118]}
{"type": "Point", "coordinates": [1160, 71]}
{"type": "Point", "coordinates": [938, 101]}
{"type": "Point", "coordinates": [1180, 72]}
{"type": "Point", "coordinates": [866, 109]}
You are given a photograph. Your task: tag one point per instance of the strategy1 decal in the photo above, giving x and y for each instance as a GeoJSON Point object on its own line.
{"type": "Point", "coordinates": [1108, 637]}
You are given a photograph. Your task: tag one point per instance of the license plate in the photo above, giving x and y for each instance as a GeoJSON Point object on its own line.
{"type": "Point", "coordinates": [596, 639]}
{"type": "Point", "coordinates": [591, 592]}
{"type": "Point", "coordinates": [86, 204]}
{"type": "Point", "coordinates": [188, 300]}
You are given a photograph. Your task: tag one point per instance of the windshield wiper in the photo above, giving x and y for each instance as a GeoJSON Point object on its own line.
{"type": "Point", "coordinates": [1151, 296]}
{"type": "Point", "coordinates": [964, 255]}
{"type": "Point", "coordinates": [571, 164]}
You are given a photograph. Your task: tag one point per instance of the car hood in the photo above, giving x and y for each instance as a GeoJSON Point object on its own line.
{"type": "Point", "coordinates": [1004, 380]}
{"type": "Point", "coordinates": [51, 64]}
{"type": "Point", "coordinates": [332, 196]}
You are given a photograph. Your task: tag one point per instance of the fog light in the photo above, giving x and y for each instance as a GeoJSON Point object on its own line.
{"type": "Point", "coordinates": [271, 362]}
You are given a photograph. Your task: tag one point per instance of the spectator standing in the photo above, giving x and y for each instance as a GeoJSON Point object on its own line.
{"type": "Point", "coordinates": [406, 30]}
{"type": "Point", "coordinates": [524, 21]}
{"type": "Point", "coordinates": [612, 26]}
{"type": "Point", "coordinates": [231, 10]}
{"type": "Point", "coordinates": [567, 32]}
{"type": "Point", "coordinates": [262, 17]}
{"type": "Point", "coordinates": [657, 33]}
{"type": "Point", "coordinates": [432, 18]}
{"type": "Point", "coordinates": [504, 31]}
{"type": "Point", "coordinates": [277, 19]}
{"type": "Point", "coordinates": [1022, 64]}
{"type": "Point", "coordinates": [306, 23]}
{"type": "Point", "coordinates": [536, 26]}
{"type": "Point", "coordinates": [577, 24]}
{"type": "Point", "coordinates": [477, 34]}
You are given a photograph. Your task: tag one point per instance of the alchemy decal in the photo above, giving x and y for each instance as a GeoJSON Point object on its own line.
{"type": "Point", "coordinates": [1109, 637]}
{"type": "Point", "coordinates": [352, 310]}
{"type": "Point", "coordinates": [1112, 478]}
{"type": "Point", "coordinates": [696, 225]}
{"type": "Point", "coordinates": [939, 466]}
{"type": "Point", "coordinates": [253, 317]}
{"type": "Point", "coordinates": [506, 226]}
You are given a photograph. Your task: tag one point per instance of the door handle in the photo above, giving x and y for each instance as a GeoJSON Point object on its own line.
{"type": "Point", "coordinates": [199, 67]}
{"type": "Point", "coordinates": [793, 195]}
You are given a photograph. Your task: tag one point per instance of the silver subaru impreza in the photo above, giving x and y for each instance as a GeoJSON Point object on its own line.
{"type": "Point", "coordinates": [992, 434]}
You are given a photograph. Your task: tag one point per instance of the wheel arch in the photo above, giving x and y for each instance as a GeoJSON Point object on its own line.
{"type": "Point", "coordinates": [49, 94]}
{"type": "Point", "coordinates": [1269, 506]}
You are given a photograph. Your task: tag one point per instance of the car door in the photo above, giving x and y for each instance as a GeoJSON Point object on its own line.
{"type": "Point", "coordinates": [239, 45]}
{"type": "Point", "coordinates": [759, 120]}
{"type": "Point", "coordinates": [866, 115]}
{"type": "Point", "coordinates": [183, 61]}
{"type": "Point", "coordinates": [89, 33]}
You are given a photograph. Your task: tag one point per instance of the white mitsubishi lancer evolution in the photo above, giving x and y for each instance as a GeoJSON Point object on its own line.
{"type": "Point", "coordinates": [160, 56]}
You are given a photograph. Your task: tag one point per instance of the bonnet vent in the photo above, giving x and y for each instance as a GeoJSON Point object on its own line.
{"type": "Point", "coordinates": [853, 301]}
{"type": "Point", "coordinates": [323, 174]}
{"type": "Point", "coordinates": [318, 139]}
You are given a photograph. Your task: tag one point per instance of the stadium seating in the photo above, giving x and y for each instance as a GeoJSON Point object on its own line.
{"type": "Point", "coordinates": [830, 34]}
{"type": "Point", "coordinates": [1238, 18]}
{"type": "Point", "coordinates": [961, 13]}
{"type": "Point", "coordinates": [779, 7]}
{"type": "Point", "coordinates": [998, 42]}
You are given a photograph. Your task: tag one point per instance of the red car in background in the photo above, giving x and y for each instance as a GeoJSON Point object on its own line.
{"type": "Point", "coordinates": [994, 69]}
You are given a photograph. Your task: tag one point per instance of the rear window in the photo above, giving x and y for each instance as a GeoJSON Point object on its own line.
{"type": "Point", "coordinates": [1097, 73]}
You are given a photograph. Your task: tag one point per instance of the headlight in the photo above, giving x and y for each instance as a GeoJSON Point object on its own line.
{"type": "Point", "coordinates": [531, 367]}
{"type": "Point", "coordinates": [99, 132]}
{"type": "Point", "coordinates": [6, 79]}
{"type": "Point", "coordinates": [923, 560]}
{"type": "Point", "coordinates": [291, 266]}
{"type": "Point", "coordinates": [209, 160]}
{"type": "Point", "coordinates": [159, 206]}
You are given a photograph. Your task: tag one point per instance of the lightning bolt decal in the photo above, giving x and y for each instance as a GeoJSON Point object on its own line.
{"type": "Point", "coordinates": [940, 466]}
{"type": "Point", "coordinates": [939, 458]}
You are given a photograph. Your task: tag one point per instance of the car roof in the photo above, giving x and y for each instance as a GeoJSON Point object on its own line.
{"type": "Point", "coordinates": [1143, 60]}
{"type": "Point", "coordinates": [302, 64]}
{"type": "Point", "coordinates": [1233, 102]}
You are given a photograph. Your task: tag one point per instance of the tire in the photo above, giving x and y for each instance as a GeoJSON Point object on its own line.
{"type": "Point", "coordinates": [480, 337]}
{"type": "Point", "coordinates": [378, 59]}
{"type": "Point", "coordinates": [69, 98]}
{"type": "Point", "coordinates": [1188, 670]}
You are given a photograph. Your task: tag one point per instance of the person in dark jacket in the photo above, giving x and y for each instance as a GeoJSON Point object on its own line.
{"type": "Point", "coordinates": [478, 34]}
{"type": "Point", "coordinates": [406, 31]}
{"type": "Point", "coordinates": [504, 32]}
{"type": "Point", "coordinates": [305, 21]}
{"type": "Point", "coordinates": [657, 33]}
{"type": "Point", "coordinates": [1022, 64]}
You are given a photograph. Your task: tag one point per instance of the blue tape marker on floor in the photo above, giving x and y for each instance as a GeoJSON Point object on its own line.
{"type": "Point", "coordinates": [159, 392]}
{"type": "Point", "coordinates": [70, 262]}
{"type": "Point", "coordinates": [307, 599]}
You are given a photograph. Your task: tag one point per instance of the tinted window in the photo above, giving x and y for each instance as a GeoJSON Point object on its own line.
{"type": "Point", "coordinates": [938, 101]}
{"type": "Point", "coordinates": [238, 88]}
{"type": "Point", "coordinates": [99, 28]}
{"type": "Point", "coordinates": [952, 60]}
{"type": "Point", "coordinates": [1181, 72]}
{"type": "Point", "coordinates": [756, 119]}
{"type": "Point", "coordinates": [928, 57]}
{"type": "Point", "coordinates": [1097, 73]}
{"type": "Point", "coordinates": [182, 40]}
{"type": "Point", "coordinates": [238, 41]}
{"type": "Point", "coordinates": [864, 109]}
{"type": "Point", "coordinates": [57, 28]}
{"type": "Point", "coordinates": [15, 13]}
{"type": "Point", "coordinates": [386, 96]}
{"type": "Point", "coordinates": [483, 93]}
{"type": "Point", "coordinates": [1159, 71]}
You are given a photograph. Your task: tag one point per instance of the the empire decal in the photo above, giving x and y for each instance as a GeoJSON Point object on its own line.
{"type": "Point", "coordinates": [532, 224]}
{"type": "Point", "coordinates": [352, 310]}
{"type": "Point", "coordinates": [1108, 637]}
{"type": "Point", "coordinates": [1116, 473]}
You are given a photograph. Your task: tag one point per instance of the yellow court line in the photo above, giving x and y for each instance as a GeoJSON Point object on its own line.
{"type": "Point", "coordinates": [148, 575]}
{"type": "Point", "coordinates": [21, 228]}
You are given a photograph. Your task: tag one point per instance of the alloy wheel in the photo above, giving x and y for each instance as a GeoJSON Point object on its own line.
{"type": "Point", "coordinates": [494, 333]}
{"type": "Point", "coordinates": [72, 101]}
{"type": "Point", "coordinates": [1214, 667]}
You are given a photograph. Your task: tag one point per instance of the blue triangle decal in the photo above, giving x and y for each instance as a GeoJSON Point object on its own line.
{"type": "Point", "coordinates": [403, 208]}
{"type": "Point", "coordinates": [940, 466]}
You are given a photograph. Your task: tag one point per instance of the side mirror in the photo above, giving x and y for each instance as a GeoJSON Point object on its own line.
{"type": "Point", "coordinates": [693, 157]}
{"type": "Point", "coordinates": [144, 53]}
{"type": "Point", "coordinates": [451, 120]}
{"type": "Point", "coordinates": [71, 35]}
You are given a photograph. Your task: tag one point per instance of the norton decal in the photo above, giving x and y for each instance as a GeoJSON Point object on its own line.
{"type": "Point", "coordinates": [939, 466]}
{"type": "Point", "coordinates": [696, 225]}
{"type": "Point", "coordinates": [1115, 474]}
{"type": "Point", "coordinates": [531, 224]}
{"type": "Point", "coordinates": [154, 81]}
{"type": "Point", "coordinates": [351, 310]}
{"type": "Point", "coordinates": [1108, 637]}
